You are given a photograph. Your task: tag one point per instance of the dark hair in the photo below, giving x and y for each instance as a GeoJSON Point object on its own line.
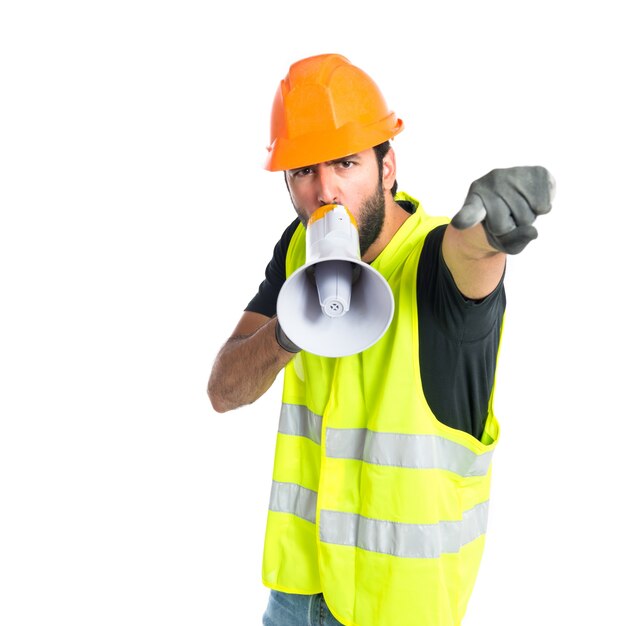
{"type": "Point", "coordinates": [381, 150]}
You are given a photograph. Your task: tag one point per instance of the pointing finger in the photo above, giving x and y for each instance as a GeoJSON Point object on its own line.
{"type": "Point", "coordinates": [472, 212]}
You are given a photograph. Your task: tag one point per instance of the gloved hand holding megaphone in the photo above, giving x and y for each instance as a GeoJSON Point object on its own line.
{"type": "Point", "coordinates": [335, 304]}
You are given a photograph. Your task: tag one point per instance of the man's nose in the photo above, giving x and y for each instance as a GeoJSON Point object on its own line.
{"type": "Point", "coordinates": [328, 187]}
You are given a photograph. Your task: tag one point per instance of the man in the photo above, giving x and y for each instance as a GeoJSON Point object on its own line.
{"type": "Point", "coordinates": [379, 500]}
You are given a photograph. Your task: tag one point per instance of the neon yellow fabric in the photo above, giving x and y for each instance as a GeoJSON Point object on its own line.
{"type": "Point", "coordinates": [371, 391]}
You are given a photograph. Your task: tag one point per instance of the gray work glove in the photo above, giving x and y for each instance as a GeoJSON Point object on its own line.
{"type": "Point", "coordinates": [283, 341]}
{"type": "Point", "coordinates": [507, 202]}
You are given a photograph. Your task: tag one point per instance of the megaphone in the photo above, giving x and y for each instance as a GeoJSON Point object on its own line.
{"type": "Point", "coordinates": [335, 304]}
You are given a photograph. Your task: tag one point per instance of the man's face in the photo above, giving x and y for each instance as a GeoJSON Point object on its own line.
{"type": "Point", "coordinates": [354, 181]}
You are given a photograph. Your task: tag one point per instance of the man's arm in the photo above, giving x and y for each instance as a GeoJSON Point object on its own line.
{"type": "Point", "coordinates": [475, 266]}
{"type": "Point", "coordinates": [247, 364]}
{"type": "Point", "coordinates": [496, 219]}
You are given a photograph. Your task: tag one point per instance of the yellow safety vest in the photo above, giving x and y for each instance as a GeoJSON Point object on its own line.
{"type": "Point", "coordinates": [375, 502]}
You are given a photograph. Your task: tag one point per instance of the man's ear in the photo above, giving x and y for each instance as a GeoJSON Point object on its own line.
{"type": "Point", "coordinates": [389, 170]}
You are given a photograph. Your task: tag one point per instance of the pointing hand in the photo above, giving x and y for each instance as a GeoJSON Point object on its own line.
{"type": "Point", "coordinates": [507, 202]}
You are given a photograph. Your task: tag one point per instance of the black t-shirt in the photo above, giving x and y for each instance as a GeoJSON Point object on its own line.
{"type": "Point", "coordinates": [458, 338]}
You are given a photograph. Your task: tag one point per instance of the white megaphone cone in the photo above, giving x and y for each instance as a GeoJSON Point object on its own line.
{"type": "Point", "coordinates": [335, 304]}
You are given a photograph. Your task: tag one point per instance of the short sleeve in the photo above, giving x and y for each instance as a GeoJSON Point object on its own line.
{"type": "Point", "coordinates": [458, 342]}
{"type": "Point", "coordinates": [264, 301]}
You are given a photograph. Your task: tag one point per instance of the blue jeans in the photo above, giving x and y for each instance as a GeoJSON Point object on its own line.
{"type": "Point", "coordinates": [290, 609]}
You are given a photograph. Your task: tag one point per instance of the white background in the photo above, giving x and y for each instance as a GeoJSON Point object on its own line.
{"type": "Point", "coordinates": [136, 224]}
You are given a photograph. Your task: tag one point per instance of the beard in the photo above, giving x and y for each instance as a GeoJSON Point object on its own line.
{"type": "Point", "coordinates": [371, 218]}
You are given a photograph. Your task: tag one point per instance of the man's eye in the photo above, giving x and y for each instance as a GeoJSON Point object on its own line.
{"type": "Point", "coordinates": [347, 164]}
{"type": "Point", "coordinates": [305, 171]}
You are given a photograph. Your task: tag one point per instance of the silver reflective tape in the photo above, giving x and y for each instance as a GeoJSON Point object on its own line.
{"type": "Point", "coordinates": [400, 450]}
{"type": "Point", "coordinates": [296, 419]}
{"type": "Point", "coordinates": [412, 541]}
{"type": "Point", "coordinates": [294, 499]}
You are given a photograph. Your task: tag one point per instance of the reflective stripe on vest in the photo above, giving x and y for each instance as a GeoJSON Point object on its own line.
{"type": "Point", "coordinates": [377, 448]}
{"type": "Point", "coordinates": [297, 420]}
{"type": "Point", "coordinates": [293, 499]}
{"type": "Point", "coordinates": [401, 450]}
{"type": "Point", "coordinates": [425, 541]}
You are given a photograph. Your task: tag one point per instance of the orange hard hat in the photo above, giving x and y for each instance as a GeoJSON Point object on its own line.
{"type": "Point", "coordinates": [324, 109]}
